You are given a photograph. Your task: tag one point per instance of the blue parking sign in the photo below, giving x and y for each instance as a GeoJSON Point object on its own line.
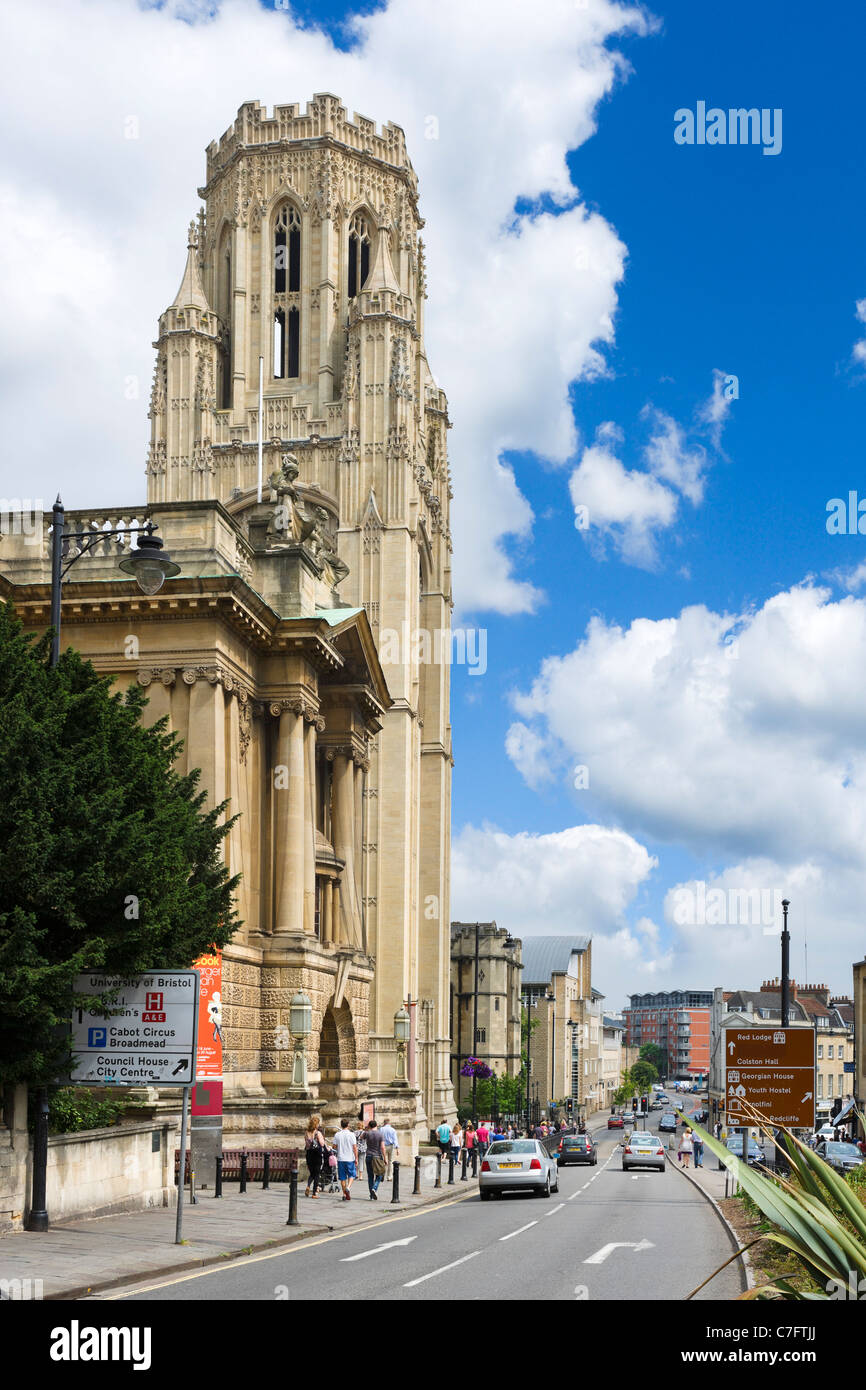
{"type": "Point", "coordinates": [97, 1037]}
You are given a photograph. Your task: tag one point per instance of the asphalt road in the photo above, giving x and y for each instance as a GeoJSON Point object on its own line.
{"type": "Point", "coordinates": [605, 1235]}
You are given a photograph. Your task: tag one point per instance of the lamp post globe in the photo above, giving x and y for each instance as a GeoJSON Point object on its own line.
{"type": "Point", "coordinates": [149, 565]}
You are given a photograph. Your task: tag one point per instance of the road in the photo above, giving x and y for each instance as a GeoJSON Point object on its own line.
{"type": "Point", "coordinates": [605, 1235]}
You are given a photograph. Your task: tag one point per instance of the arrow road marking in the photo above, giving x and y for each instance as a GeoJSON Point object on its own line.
{"type": "Point", "coordinates": [519, 1230]}
{"type": "Point", "coordinates": [347, 1259]}
{"type": "Point", "coordinates": [601, 1255]}
{"type": "Point", "coordinates": [433, 1273]}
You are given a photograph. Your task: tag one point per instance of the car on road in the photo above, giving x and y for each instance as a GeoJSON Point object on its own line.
{"type": "Point", "coordinates": [658, 1103]}
{"type": "Point", "coordinates": [843, 1157]}
{"type": "Point", "coordinates": [668, 1123]}
{"type": "Point", "coordinates": [615, 1122]}
{"type": "Point", "coordinates": [642, 1150]}
{"type": "Point", "coordinates": [628, 1117]}
{"type": "Point", "coordinates": [517, 1165]}
{"type": "Point", "coordinates": [826, 1132]}
{"type": "Point", "coordinates": [734, 1145]}
{"type": "Point", "coordinates": [576, 1148]}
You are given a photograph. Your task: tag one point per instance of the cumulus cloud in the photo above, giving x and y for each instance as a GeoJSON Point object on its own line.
{"type": "Point", "coordinates": [99, 184]}
{"type": "Point", "coordinates": [627, 510]}
{"type": "Point", "coordinates": [859, 349]}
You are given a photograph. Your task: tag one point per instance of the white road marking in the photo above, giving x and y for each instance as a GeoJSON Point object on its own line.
{"type": "Point", "coordinates": [519, 1230]}
{"type": "Point", "coordinates": [347, 1259]}
{"type": "Point", "coordinates": [554, 1209]}
{"type": "Point", "coordinates": [575, 1194]}
{"type": "Point", "coordinates": [601, 1255]}
{"type": "Point", "coordinates": [586, 1185]}
{"type": "Point", "coordinates": [434, 1272]}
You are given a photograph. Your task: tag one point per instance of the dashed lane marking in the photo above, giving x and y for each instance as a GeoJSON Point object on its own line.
{"type": "Point", "coordinates": [434, 1272]}
{"type": "Point", "coordinates": [519, 1230]}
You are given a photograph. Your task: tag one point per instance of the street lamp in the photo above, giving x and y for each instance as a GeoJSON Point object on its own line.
{"type": "Point", "coordinates": [150, 569]}
{"type": "Point", "coordinates": [147, 563]}
{"type": "Point", "coordinates": [402, 1024]}
{"type": "Point", "coordinates": [300, 1027]}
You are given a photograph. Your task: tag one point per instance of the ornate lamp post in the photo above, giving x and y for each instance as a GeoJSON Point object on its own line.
{"type": "Point", "coordinates": [150, 568]}
{"type": "Point", "coordinates": [300, 1026]}
{"type": "Point", "coordinates": [402, 1025]}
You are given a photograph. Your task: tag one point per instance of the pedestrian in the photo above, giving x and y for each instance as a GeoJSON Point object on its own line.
{"type": "Point", "coordinates": [376, 1165]}
{"type": "Point", "coordinates": [483, 1135]}
{"type": "Point", "coordinates": [717, 1129]}
{"type": "Point", "coordinates": [392, 1150]}
{"type": "Point", "coordinates": [314, 1146]}
{"type": "Point", "coordinates": [686, 1147]}
{"type": "Point", "coordinates": [361, 1141]}
{"type": "Point", "coordinates": [456, 1141]}
{"type": "Point", "coordinates": [470, 1139]}
{"type": "Point", "coordinates": [698, 1150]}
{"type": "Point", "coordinates": [346, 1146]}
{"type": "Point", "coordinates": [443, 1134]}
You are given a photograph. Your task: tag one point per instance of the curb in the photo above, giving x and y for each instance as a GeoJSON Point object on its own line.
{"type": "Point", "coordinates": [732, 1235]}
{"type": "Point", "coordinates": [225, 1256]}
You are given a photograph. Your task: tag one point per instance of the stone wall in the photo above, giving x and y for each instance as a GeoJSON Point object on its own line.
{"type": "Point", "coordinates": [124, 1168]}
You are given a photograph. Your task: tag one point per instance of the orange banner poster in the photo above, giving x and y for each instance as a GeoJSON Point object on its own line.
{"type": "Point", "coordinates": [209, 1060]}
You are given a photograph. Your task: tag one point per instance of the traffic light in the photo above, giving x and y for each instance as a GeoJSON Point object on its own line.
{"type": "Point", "coordinates": [569, 1107]}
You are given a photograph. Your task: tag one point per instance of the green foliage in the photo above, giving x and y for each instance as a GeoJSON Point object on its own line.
{"type": "Point", "coordinates": [110, 861]}
{"type": "Point", "coordinates": [652, 1053]}
{"type": "Point", "coordinates": [642, 1076]}
{"type": "Point", "coordinates": [510, 1093]}
{"type": "Point", "coordinates": [73, 1108]}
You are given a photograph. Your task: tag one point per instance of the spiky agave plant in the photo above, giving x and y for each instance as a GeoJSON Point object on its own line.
{"type": "Point", "coordinates": [809, 1214]}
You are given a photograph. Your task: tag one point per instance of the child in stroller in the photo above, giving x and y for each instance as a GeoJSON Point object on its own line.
{"type": "Point", "coordinates": [331, 1161]}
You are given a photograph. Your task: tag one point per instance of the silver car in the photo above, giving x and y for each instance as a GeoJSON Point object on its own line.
{"type": "Point", "coordinates": [642, 1150]}
{"type": "Point", "coordinates": [518, 1165]}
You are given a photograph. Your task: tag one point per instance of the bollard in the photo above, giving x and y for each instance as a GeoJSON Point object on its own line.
{"type": "Point", "coordinates": [192, 1197]}
{"type": "Point", "coordinates": [218, 1186]}
{"type": "Point", "coordinates": [464, 1159]}
{"type": "Point", "coordinates": [293, 1198]}
{"type": "Point", "coordinates": [438, 1182]}
{"type": "Point", "coordinates": [266, 1173]}
{"type": "Point", "coordinates": [451, 1169]}
{"type": "Point", "coordinates": [243, 1186]}
{"type": "Point", "coordinates": [396, 1193]}
{"type": "Point", "coordinates": [475, 1160]}
{"type": "Point", "coordinates": [417, 1188]}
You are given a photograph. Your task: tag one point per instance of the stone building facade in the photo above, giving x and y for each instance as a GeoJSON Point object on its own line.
{"type": "Point", "coordinates": [498, 1030]}
{"type": "Point", "coordinates": [306, 538]}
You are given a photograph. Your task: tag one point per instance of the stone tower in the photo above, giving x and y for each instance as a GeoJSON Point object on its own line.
{"type": "Point", "coordinates": [307, 257]}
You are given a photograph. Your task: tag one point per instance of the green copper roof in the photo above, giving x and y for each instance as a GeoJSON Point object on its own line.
{"type": "Point", "coordinates": [335, 616]}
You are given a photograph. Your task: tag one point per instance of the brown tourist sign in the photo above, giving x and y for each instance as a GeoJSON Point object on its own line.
{"type": "Point", "coordinates": [772, 1069]}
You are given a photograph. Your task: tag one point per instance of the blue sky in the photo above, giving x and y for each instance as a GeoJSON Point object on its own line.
{"type": "Point", "coordinates": [589, 279]}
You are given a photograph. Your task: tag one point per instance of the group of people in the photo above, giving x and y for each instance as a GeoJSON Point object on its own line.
{"type": "Point", "coordinates": [369, 1149]}
{"type": "Point", "coordinates": [690, 1145]}
{"type": "Point", "coordinates": [454, 1139]}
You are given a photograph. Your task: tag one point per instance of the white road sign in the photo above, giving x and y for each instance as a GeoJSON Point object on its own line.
{"type": "Point", "coordinates": [146, 1037]}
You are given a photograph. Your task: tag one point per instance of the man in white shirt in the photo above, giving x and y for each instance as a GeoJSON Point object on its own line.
{"type": "Point", "coordinates": [389, 1134]}
{"type": "Point", "coordinates": [347, 1158]}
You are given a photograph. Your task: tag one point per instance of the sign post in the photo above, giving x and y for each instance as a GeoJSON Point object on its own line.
{"type": "Point", "coordinates": [206, 1099]}
{"type": "Point", "coordinates": [773, 1070]}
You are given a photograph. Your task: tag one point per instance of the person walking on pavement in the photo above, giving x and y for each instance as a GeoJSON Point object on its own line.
{"type": "Point", "coordinates": [483, 1135]}
{"type": "Point", "coordinates": [469, 1138]}
{"type": "Point", "coordinates": [346, 1146]}
{"type": "Point", "coordinates": [376, 1165]}
{"type": "Point", "coordinates": [443, 1134]}
{"type": "Point", "coordinates": [698, 1149]}
{"type": "Point", "coordinates": [314, 1145]}
{"type": "Point", "coordinates": [686, 1147]}
{"type": "Point", "coordinates": [389, 1134]}
{"type": "Point", "coordinates": [456, 1141]}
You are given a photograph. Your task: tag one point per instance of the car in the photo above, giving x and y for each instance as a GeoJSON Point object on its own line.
{"type": "Point", "coordinates": [843, 1157]}
{"type": "Point", "coordinates": [734, 1145]}
{"type": "Point", "coordinates": [642, 1150]}
{"type": "Point", "coordinates": [517, 1165]}
{"type": "Point", "coordinates": [576, 1148]}
{"type": "Point", "coordinates": [699, 1117]}
{"type": "Point", "coordinates": [668, 1123]}
{"type": "Point", "coordinates": [826, 1132]}
{"type": "Point", "coordinates": [615, 1122]}
{"type": "Point", "coordinates": [657, 1103]}
{"type": "Point", "coordinates": [628, 1117]}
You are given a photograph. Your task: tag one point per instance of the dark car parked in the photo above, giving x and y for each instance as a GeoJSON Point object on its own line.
{"type": "Point", "coordinates": [577, 1148]}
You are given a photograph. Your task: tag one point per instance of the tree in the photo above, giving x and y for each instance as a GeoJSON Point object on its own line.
{"type": "Point", "coordinates": [652, 1053]}
{"type": "Point", "coordinates": [110, 861]}
{"type": "Point", "coordinates": [642, 1076]}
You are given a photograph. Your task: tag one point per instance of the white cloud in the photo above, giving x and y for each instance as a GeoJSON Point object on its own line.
{"type": "Point", "coordinates": [859, 349]}
{"type": "Point", "coordinates": [518, 308]}
{"type": "Point", "coordinates": [669, 457]}
{"type": "Point", "coordinates": [624, 507]}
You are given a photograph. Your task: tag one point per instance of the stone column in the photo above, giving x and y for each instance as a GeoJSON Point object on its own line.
{"type": "Point", "coordinates": [327, 904]}
{"type": "Point", "coordinates": [289, 805]}
{"type": "Point", "coordinates": [310, 827]}
{"type": "Point", "coordinates": [344, 847]}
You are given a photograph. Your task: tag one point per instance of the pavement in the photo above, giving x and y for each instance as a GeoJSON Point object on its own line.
{"type": "Point", "coordinates": [79, 1258]}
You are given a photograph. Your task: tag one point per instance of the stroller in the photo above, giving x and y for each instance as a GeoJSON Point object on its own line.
{"type": "Point", "coordinates": [330, 1159]}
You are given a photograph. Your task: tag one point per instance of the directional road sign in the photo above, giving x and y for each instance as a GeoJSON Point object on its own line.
{"type": "Point", "coordinates": [772, 1069]}
{"type": "Point", "coordinates": [145, 1037]}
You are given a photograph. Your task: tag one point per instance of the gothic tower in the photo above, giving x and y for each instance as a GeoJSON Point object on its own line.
{"type": "Point", "coordinates": [308, 258]}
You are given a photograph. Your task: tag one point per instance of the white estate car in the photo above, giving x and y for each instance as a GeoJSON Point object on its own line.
{"type": "Point", "coordinates": [518, 1165]}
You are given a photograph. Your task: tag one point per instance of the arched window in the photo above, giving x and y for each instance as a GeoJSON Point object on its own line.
{"type": "Point", "coordinates": [287, 343]}
{"type": "Point", "coordinates": [359, 253]}
{"type": "Point", "coordinates": [224, 309]}
{"type": "Point", "coordinates": [287, 250]}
